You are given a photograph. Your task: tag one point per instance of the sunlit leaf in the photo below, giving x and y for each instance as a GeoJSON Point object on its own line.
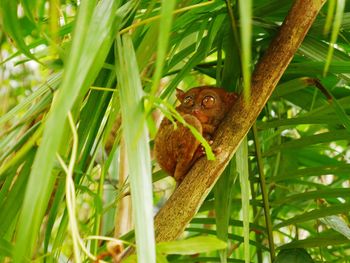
{"type": "Point", "coordinates": [191, 246]}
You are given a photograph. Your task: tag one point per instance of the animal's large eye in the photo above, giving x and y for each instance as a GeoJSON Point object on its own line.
{"type": "Point", "coordinates": [208, 101]}
{"type": "Point", "coordinates": [188, 101]}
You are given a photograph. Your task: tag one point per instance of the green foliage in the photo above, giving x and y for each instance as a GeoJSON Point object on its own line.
{"type": "Point", "coordinates": [191, 246]}
{"type": "Point", "coordinates": [113, 65]}
{"type": "Point", "coordinates": [136, 141]}
{"type": "Point", "coordinates": [293, 256]}
{"type": "Point", "coordinates": [242, 169]}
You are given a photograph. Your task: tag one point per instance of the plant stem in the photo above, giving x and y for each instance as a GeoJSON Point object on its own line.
{"type": "Point", "coordinates": [173, 217]}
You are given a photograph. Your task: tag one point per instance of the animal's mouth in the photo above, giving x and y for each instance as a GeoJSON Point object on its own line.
{"type": "Point", "coordinates": [200, 116]}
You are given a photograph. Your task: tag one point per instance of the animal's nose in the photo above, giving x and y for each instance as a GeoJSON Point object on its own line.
{"type": "Point", "coordinates": [195, 111]}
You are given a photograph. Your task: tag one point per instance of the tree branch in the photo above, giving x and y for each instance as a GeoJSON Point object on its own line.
{"type": "Point", "coordinates": [178, 211]}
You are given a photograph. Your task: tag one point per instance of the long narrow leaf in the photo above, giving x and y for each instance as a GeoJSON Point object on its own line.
{"type": "Point", "coordinates": [79, 74]}
{"type": "Point", "coordinates": [163, 39]}
{"type": "Point", "coordinates": [138, 153]}
{"type": "Point", "coordinates": [336, 27]}
{"type": "Point", "coordinates": [245, 10]}
{"type": "Point", "coordinates": [242, 168]}
{"type": "Point", "coordinates": [10, 21]}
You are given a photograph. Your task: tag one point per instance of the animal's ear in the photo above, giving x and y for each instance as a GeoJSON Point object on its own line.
{"type": "Point", "coordinates": [180, 94]}
{"type": "Point", "coordinates": [231, 97]}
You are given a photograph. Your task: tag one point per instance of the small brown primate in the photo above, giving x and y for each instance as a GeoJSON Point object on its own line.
{"type": "Point", "coordinates": [176, 149]}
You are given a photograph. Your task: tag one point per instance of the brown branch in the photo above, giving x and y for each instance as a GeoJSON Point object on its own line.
{"type": "Point", "coordinates": [174, 216]}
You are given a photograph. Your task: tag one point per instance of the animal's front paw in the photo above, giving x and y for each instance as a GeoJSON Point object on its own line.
{"type": "Point", "coordinates": [199, 152]}
{"type": "Point", "coordinates": [217, 150]}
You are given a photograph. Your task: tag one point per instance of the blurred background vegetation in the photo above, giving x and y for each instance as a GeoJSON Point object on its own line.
{"type": "Point", "coordinates": [83, 86]}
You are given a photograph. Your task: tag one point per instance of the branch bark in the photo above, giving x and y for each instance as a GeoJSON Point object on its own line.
{"type": "Point", "coordinates": [178, 211]}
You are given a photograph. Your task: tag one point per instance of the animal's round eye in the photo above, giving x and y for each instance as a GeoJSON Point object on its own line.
{"type": "Point", "coordinates": [208, 101]}
{"type": "Point", "coordinates": [188, 101]}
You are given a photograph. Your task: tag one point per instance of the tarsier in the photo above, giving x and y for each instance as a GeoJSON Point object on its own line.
{"type": "Point", "coordinates": [176, 149]}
